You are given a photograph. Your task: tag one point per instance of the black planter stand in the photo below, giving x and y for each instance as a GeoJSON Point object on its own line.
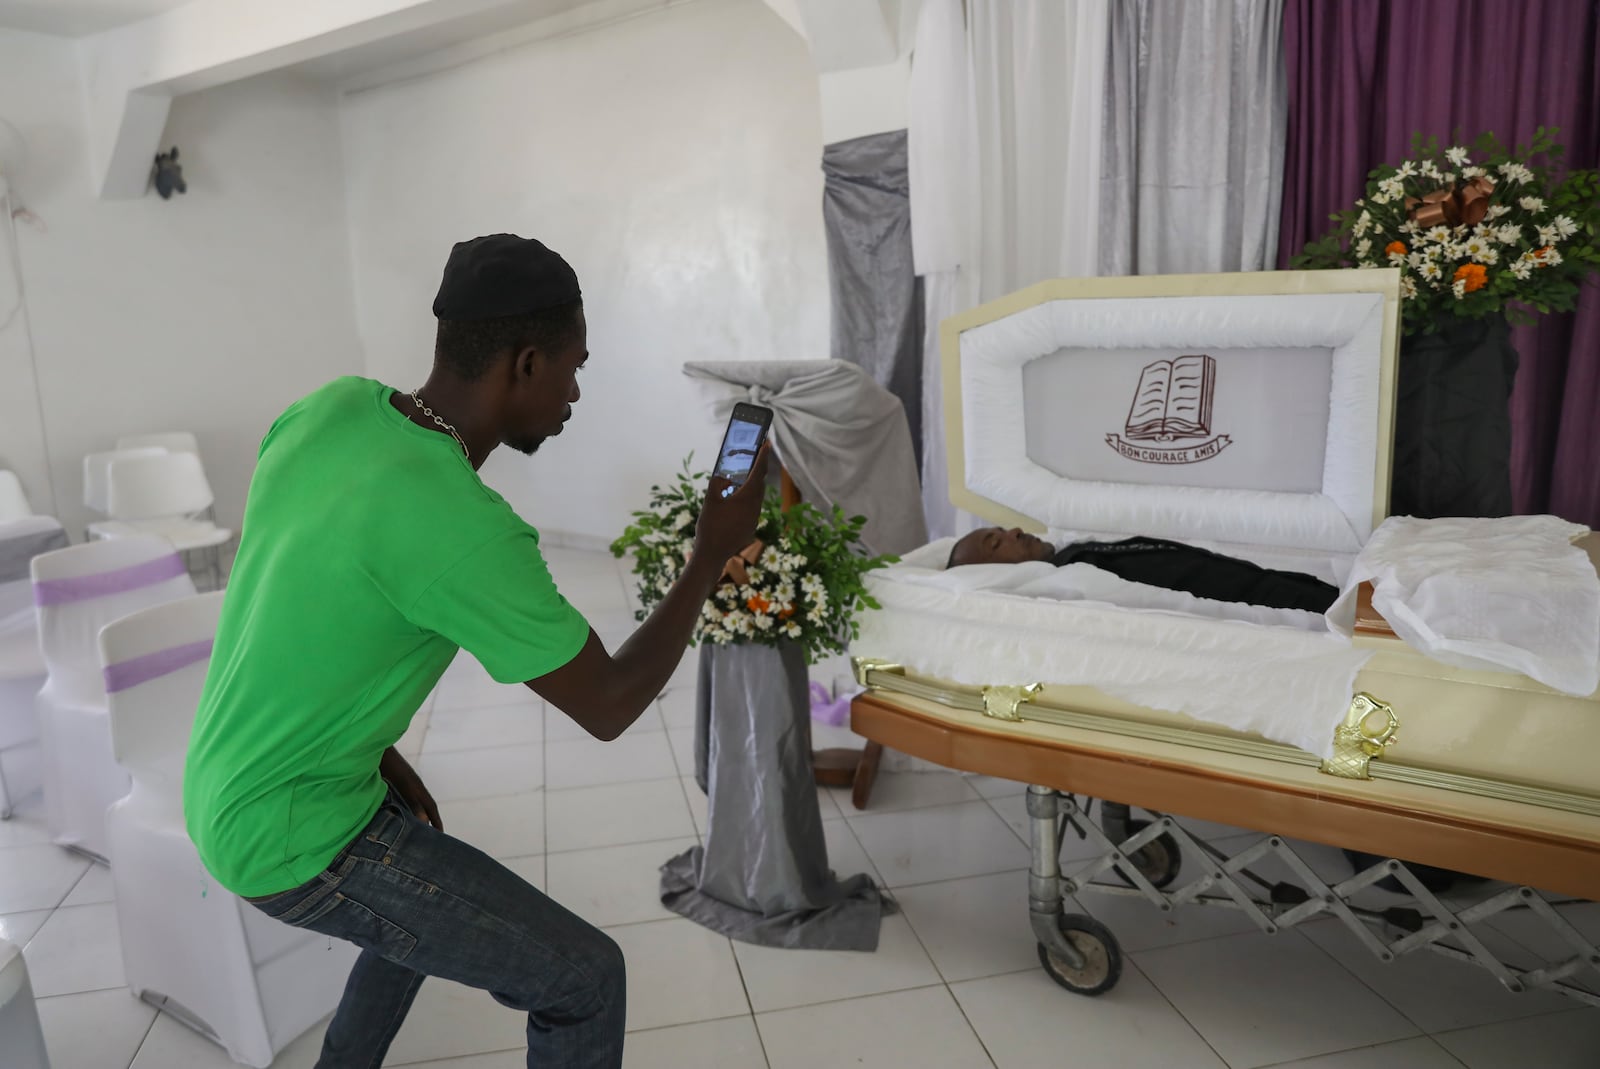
{"type": "Point", "coordinates": [1452, 436]}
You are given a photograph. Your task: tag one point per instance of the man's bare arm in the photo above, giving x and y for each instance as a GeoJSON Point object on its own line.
{"type": "Point", "coordinates": [606, 692]}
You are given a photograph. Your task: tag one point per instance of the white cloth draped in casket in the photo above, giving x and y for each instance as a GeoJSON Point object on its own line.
{"type": "Point", "coordinates": [1276, 672]}
{"type": "Point", "coordinates": [1510, 592]}
{"type": "Point", "coordinates": [842, 438]}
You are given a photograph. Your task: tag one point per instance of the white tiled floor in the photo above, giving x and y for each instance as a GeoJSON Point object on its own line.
{"type": "Point", "coordinates": [955, 982]}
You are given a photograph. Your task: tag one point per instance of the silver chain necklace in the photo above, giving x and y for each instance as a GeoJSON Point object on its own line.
{"type": "Point", "coordinates": [426, 411]}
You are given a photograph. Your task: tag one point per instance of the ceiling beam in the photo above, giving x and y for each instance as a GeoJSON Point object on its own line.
{"type": "Point", "coordinates": [132, 73]}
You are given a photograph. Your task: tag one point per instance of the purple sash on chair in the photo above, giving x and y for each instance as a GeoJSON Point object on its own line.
{"type": "Point", "coordinates": [128, 674]}
{"type": "Point", "coordinates": [104, 584]}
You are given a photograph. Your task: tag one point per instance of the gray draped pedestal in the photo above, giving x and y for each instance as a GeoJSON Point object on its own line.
{"type": "Point", "coordinates": [763, 876]}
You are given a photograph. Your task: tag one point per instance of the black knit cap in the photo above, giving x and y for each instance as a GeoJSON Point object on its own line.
{"type": "Point", "coordinates": [503, 275]}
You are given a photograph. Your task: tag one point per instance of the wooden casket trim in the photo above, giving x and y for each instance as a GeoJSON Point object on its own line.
{"type": "Point", "coordinates": [1496, 839]}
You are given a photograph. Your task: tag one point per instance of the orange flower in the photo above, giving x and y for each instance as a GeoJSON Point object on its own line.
{"type": "Point", "coordinates": [1541, 257]}
{"type": "Point", "coordinates": [757, 603]}
{"type": "Point", "coordinates": [1476, 276]}
{"type": "Point", "coordinates": [786, 613]}
{"type": "Point", "coordinates": [1395, 248]}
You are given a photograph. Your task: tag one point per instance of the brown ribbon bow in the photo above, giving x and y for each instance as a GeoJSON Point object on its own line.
{"type": "Point", "coordinates": [737, 568]}
{"type": "Point", "coordinates": [1465, 206]}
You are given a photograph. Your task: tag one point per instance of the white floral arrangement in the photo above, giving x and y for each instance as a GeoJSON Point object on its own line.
{"type": "Point", "coordinates": [800, 581]}
{"type": "Point", "coordinates": [1475, 232]}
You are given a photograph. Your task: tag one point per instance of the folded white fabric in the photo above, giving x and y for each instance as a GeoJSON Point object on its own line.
{"type": "Point", "coordinates": [1280, 673]}
{"type": "Point", "coordinates": [1490, 594]}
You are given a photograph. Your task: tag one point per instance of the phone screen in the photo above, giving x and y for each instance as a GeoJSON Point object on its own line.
{"type": "Point", "coordinates": [742, 442]}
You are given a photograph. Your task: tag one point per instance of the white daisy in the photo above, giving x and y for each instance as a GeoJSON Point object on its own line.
{"type": "Point", "coordinates": [1432, 271]}
{"type": "Point", "coordinates": [1408, 287]}
{"type": "Point", "coordinates": [1456, 154]}
{"type": "Point", "coordinates": [1531, 204]}
{"type": "Point", "coordinates": [1472, 172]}
{"type": "Point", "coordinates": [1363, 248]}
{"type": "Point", "coordinates": [792, 629]}
{"type": "Point", "coordinates": [1550, 258]}
{"type": "Point", "coordinates": [1428, 170]}
{"type": "Point", "coordinates": [1488, 255]}
{"type": "Point", "coordinates": [1459, 288]}
{"type": "Point", "coordinates": [1439, 235]}
{"type": "Point", "coordinates": [1416, 260]}
{"type": "Point", "coordinates": [1547, 235]}
{"type": "Point", "coordinates": [1393, 188]}
{"type": "Point", "coordinates": [1565, 227]}
{"type": "Point", "coordinates": [1509, 234]}
{"type": "Point", "coordinates": [1497, 210]}
{"type": "Point", "coordinates": [1516, 172]}
{"type": "Point", "coordinates": [1380, 198]}
{"type": "Point", "coordinates": [1522, 268]}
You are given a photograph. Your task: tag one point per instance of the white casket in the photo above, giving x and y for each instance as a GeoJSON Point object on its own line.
{"type": "Point", "coordinates": [1250, 414]}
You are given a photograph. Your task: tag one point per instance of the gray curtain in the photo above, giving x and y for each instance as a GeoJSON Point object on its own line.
{"type": "Point", "coordinates": [1193, 139]}
{"type": "Point", "coordinates": [877, 297]}
{"type": "Point", "coordinates": [762, 876]}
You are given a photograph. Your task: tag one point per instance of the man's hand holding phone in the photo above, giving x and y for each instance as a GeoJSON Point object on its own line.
{"type": "Point", "coordinates": [728, 519]}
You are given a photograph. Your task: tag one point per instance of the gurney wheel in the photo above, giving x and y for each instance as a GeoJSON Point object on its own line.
{"type": "Point", "coordinates": [1103, 967]}
{"type": "Point", "coordinates": [1159, 860]}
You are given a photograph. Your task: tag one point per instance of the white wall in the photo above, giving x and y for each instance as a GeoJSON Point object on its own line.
{"type": "Point", "coordinates": [210, 312]}
{"type": "Point", "coordinates": [673, 159]}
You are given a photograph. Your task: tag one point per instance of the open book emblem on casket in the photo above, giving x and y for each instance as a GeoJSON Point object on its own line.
{"type": "Point", "coordinates": [1171, 403]}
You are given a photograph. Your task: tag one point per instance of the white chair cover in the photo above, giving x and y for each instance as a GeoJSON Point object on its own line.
{"type": "Point", "coordinates": [253, 983]}
{"type": "Point", "coordinates": [21, 1038]}
{"type": "Point", "coordinates": [78, 591]}
{"type": "Point", "coordinates": [21, 664]}
{"type": "Point", "coordinates": [13, 502]}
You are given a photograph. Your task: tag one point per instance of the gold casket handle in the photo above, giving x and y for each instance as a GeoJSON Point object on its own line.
{"type": "Point", "coordinates": [1356, 741]}
{"type": "Point", "coordinates": [1002, 703]}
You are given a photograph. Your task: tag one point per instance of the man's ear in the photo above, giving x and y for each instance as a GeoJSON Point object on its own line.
{"type": "Point", "coordinates": [525, 362]}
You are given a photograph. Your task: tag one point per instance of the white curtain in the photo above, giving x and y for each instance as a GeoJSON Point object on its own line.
{"type": "Point", "coordinates": [1005, 133]}
{"type": "Point", "coordinates": [1195, 116]}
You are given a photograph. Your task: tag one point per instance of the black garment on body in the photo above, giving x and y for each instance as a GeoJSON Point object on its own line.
{"type": "Point", "coordinates": [1200, 572]}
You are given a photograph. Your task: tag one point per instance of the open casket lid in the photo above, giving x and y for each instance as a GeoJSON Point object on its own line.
{"type": "Point", "coordinates": [1252, 408]}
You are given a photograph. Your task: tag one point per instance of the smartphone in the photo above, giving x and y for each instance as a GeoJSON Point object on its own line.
{"type": "Point", "coordinates": [747, 429]}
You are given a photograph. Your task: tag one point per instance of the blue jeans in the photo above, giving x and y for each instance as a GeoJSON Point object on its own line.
{"type": "Point", "coordinates": [420, 903]}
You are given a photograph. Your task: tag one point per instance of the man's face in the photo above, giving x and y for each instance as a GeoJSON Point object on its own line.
{"type": "Point", "coordinates": [998, 545]}
{"type": "Point", "coordinates": [546, 389]}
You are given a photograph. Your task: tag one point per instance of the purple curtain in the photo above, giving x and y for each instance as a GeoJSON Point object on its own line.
{"type": "Point", "coordinates": [1364, 75]}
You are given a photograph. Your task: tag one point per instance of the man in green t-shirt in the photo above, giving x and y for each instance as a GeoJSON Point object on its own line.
{"type": "Point", "coordinates": [370, 554]}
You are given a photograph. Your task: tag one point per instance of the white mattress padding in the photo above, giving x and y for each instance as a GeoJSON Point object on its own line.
{"type": "Point", "coordinates": [1279, 673]}
{"type": "Point", "coordinates": [1490, 594]}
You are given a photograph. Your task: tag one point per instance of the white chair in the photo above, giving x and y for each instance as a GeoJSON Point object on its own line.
{"type": "Point", "coordinates": [97, 475]}
{"type": "Point", "coordinates": [189, 947]}
{"type": "Point", "coordinates": [171, 441]}
{"type": "Point", "coordinates": [163, 495]}
{"type": "Point", "coordinates": [21, 1038]}
{"type": "Point", "coordinates": [78, 590]}
{"type": "Point", "coordinates": [22, 669]}
{"type": "Point", "coordinates": [13, 502]}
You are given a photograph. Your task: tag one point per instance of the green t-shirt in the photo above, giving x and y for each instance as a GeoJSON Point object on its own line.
{"type": "Point", "coordinates": [370, 552]}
